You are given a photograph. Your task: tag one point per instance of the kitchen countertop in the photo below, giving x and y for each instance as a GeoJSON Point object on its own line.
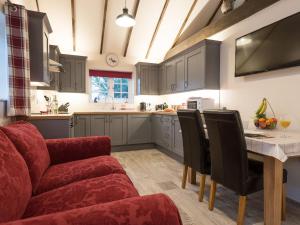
{"type": "Point", "coordinates": [115, 112]}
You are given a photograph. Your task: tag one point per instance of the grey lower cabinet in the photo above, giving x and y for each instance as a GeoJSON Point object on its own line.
{"type": "Point", "coordinates": [166, 133]}
{"type": "Point", "coordinates": [82, 125]}
{"type": "Point", "coordinates": [74, 75]}
{"type": "Point", "coordinates": [53, 128]}
{"type": "Point", "coordinates": [117, 129]}
{"type": "Point", "coordinates": [99, 125]}
{"type": "Point", "coordinates": [139, 129]}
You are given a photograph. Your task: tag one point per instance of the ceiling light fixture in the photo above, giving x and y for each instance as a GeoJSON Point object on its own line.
{"type": "Point", "coordinates": [125, 19]}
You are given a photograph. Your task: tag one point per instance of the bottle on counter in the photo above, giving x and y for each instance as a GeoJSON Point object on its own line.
{"type": "Point", "coordinates": [55, 105]}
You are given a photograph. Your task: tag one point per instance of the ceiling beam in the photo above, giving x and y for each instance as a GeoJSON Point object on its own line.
{"type": "Point", "coordinates": [103, 26]}
{"type": "Point", "coordinates": [135, 9]}
{"type": "Point", "coordinates": [214, 13]}
{"type": "Point", "coordinates": [37, 5]}
{"type": "Point", "coordinates": [157, 26]}
{"type": "Point", "coordinates": [73, 24]}
{"type": "Point", "coordinates": [249, 8]}
{"type": "Point", "coordinates": [184, 22]}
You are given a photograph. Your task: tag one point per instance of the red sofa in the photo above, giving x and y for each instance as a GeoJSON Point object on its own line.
{"type": "Point", "coordinates": [70, 181]}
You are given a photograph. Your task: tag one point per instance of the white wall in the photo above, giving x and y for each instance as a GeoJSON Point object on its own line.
{"type": "Point", "coordinates": [282, 87]}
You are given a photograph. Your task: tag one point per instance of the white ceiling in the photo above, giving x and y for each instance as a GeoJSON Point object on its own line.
{"type": "Point", "coordinates": [89, 16]}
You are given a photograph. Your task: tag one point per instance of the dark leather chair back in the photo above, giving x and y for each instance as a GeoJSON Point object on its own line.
{"type": "Point", "coordinates": [229, 161]}
{"type": "Point", "coordinates": [195, 145]}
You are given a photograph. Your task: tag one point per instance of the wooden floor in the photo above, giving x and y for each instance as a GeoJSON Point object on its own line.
{"type": "Point", "coordinates": [153, 172]}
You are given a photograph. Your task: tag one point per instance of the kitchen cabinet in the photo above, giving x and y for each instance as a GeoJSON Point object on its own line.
{"type": "Point", "coordinates": [177, 145]}
{"type": "Point", "coordinates": [179, 67]}
{"type": "Point", "coordinates": [99, 125]}
{"type": "Point", "coordinates": [162, 86]}
{"type": "Point", "coordinates": [117, 129]}
{"type": "Point", "coordinates": [54, 53]}
{"type": "Point", "coordinates": [147, 78]}
{"type": "Point", "coordinates": [53, 128]}
{"type": "Point", "coordinates": [162, 131]}
{"type": "Point", "coordinates": [170, 77]}
{"type": "Point", "coordinates": [82, 125]}
{"type": "Point", "coordinates": [38, 30]}
{"type": "Point", "coordinates": [139, 129]}
{"type": "Point", "coordinates": [74, 75]}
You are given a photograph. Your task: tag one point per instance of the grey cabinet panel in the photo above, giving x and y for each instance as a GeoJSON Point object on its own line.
{"type": "Point", "coordinates": [117, 129]}
{"type": "Point", "coordinates": [147, 78]}
{"type": "Point", "coordinates": [177, 137]}
{"type": "Point", "coordinates": [195, 69]}
{"type": "Point", "coordinates": [179, 65]}
{"type": "Point", "coordinates": [79, 75]}
{"type": "Point", "coordinates": [156, 129]}
{"type": "Point", "coordinates": [99, 125]}
{"type": "Point", "coordinates": [82, 125]}
{"type": "Point", "coordinates": [51, 129]}
{"type": "Point", "coordinates": [162, 80]}
{"type": "Point", "coordinates": [73, 78]}
{"type": "Point", "coordinates": [153, 80]}
{"type": "Point", "coordinates": [170, 76]}
{"type": "Point", "coordinates": [162, 131]}
{"type": "Point", "coordinates": [139, 129]}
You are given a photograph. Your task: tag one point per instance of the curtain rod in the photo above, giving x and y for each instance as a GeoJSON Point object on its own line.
{"type": "Point", "coordinates": [13, 7]}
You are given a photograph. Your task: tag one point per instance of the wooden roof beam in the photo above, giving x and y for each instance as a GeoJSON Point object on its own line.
{"type": "Point", "coordinates": [73, 24]}
{"type": "Point", "coordinates": [37, 5]}
{"type": "Point", "coordinates": [214, 13]}
{"type": "Point", "coordinates": [135, 9]}
{"type": "Point", "coordinates": [103, 26]}
{"type": "Point", "coordinates": [249, 8]}
{"type": "Point", "coordinates": [157, 26]}
{"type": "Point", "coordinates": [184, 22]}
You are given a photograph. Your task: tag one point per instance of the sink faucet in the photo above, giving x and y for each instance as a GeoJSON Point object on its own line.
{"type": "Point", "coordinates": [113, 107]}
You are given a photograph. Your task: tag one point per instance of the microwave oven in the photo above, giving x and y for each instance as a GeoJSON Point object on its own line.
{"type": "Point", "coordinates": [201, 103]}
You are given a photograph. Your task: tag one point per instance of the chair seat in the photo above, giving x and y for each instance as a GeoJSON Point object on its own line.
{"type": "Point", "coordinates": [66, 173]}
{"type": "Point", "coordinates": [255, 181]}
{"type": "Point", "coordinates": [81, 194]}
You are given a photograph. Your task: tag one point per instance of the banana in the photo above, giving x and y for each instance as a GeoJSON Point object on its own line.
{"type": "Point", "coordinates": [260, 107]}
{"type": "Point", "coordinates": [264, 108]}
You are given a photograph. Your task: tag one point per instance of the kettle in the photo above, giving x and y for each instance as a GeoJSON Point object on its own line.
{"type": "Point", "coordinates": [143, 106]}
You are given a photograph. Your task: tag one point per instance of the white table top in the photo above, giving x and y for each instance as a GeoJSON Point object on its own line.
{"type": "Point", "coordinates": [277, 146]}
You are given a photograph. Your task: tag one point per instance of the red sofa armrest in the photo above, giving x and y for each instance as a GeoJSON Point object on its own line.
{"type": "Point", "coordinates": [71, 149]}
{"type": "Point", "coordinates": [155, 209]}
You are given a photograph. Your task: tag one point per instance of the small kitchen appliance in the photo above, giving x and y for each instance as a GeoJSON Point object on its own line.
{"type": "Point", "coordinates": [200, 103]}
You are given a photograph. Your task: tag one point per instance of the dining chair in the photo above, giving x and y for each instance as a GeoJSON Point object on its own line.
{"type": "Point", "coordinates": [230, 165]}
{"type": "Point", "coordinates": [195, 147]}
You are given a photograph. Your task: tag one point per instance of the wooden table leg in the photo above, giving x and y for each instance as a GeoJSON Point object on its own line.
{"type": "Point", "coordinates": [273, 172]}
{"type": "Point", "coordinates": [192, 176]}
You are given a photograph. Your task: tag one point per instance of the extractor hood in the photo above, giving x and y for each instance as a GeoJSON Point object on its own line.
{"type": "Point", "coordinates": [55, 67]}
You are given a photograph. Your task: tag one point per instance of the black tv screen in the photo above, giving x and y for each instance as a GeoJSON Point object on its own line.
{"type": "Point", "coordinates": [272, 47]}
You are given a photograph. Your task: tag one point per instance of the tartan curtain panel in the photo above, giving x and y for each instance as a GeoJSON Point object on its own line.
{"type": "Point", "coordinates": [18, 60]}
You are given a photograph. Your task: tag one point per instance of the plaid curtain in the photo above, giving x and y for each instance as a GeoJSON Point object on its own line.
{"type": "Point", "coordinates": [18, 60]}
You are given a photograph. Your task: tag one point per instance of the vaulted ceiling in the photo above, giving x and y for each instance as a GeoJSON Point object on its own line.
{"type": "Point", "coordinates": [159, 24]}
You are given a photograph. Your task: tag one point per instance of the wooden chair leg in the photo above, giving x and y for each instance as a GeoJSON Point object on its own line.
{"type": "Point", "coordinates": [202, 187]}
{"type": "Point", "coordinates": [283, 207]}
{"type": "Point", "coordinates": [184, 177]}
{"type": "Point", "coordinates": [191, 175]}
{"type": "Point", "coordinates": [242, 210]}
{"type": "Point", "coordinates": [212, 196]}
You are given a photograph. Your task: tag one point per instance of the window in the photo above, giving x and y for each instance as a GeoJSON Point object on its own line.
{"type": "Point", "coordinates": [105, 89]}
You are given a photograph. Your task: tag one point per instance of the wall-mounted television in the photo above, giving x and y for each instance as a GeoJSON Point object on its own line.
{"type": "Point", "coordinates": [272, 47]}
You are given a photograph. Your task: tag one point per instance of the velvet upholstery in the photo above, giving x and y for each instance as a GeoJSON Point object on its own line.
{"type": "Point", "coordinates": [81, 194]}
{"type": "Point", "coordinates": [155, 209]}
{"type": "Point", "coordinates": [65, 173]}
{"type": "Point", "coordinates": [15, 185]}
{"type": "Point", "coordinates": [71, 149]}
{"type": "Point", "coordinates": [32, 146]}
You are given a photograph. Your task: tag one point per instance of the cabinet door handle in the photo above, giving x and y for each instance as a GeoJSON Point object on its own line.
{"type": "Point", "coordinates": [185, 84]}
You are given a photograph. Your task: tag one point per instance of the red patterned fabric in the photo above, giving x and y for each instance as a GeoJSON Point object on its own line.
{"type": "Point", "coordinates": [30, 143]}
{"type": "Point", "coordinates": [81, 194]}
{"type": "Point", "coordinates": [66, 173]}
{"type": "Point", "coordinates": [15, 185]}
{"type": "Point", "coordinates": [146, 210]}
{"type": "Point", "coordinates": [18, 60]}
{"type": "Point", "coordinates": [111, 74]}
{"type": "Point", "coordinates": [70, 149]}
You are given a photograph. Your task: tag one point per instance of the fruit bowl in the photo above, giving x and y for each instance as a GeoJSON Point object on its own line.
{"type": "Point", "coordinates": [261, 120]}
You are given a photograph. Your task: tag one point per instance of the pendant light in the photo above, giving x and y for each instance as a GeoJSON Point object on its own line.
{"type": "Point", "coordinates": [125, 19]}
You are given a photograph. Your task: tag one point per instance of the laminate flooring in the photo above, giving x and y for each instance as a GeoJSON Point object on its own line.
{"type": "Point", "coordinates": [154, 172]}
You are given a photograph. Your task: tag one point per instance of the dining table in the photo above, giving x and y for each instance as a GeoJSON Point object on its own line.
{"type": "Point", "coordinates": [276, 147]}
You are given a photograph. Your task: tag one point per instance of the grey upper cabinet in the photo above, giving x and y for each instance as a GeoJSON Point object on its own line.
{"type": "Point", "coordinates": [38, 29]}
{"type": "Point", "coordinates": [147, 78]}
{"type": "Point", "coordinates": [117, 129]}
{"type": "Point", "coordinates": [179, 67]}
{"type": "Point", "coordinates": [139, 129]}
{"type": "Point", "coordinates": [74, 75]}
{"type": "Point", "coordinates": [162, 86]}
{"type": "Point", "coordinates": [82, 125]}
{"type": "Point", "coordinates": [99, 125]}
{"type": "Point", "coordinates": [170, 77]}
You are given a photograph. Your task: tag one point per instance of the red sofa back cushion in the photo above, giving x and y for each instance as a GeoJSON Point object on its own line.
{"type": "Point", "coordinates": [32, 146]}
{"type": "Point", "coordinates": [15, 185]}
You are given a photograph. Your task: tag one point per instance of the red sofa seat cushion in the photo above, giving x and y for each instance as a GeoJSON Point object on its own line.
{"type": "Point", "coordinates": [32, 146]}
{"type": "Point", "coordinates": [15, 185]}
{"type": "Point", "coordinates": [66, 173]}
{"type": "Point", "coordinates": [81, 194]}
